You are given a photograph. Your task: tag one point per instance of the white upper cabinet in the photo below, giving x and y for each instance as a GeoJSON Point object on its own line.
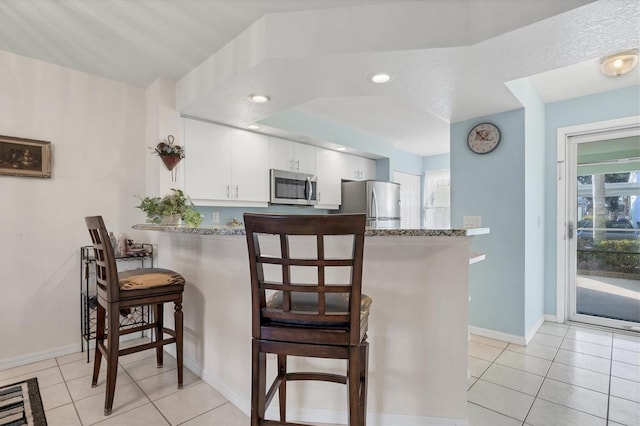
{"type": "Point", "coordinates": [207, 163]}
{"type": "Point", "coordinates": [330, 166]}
{"type": "Point", "coordinates": [367, 168]}
{"type": "Point", "coordinates": [225, 166]}
{"type": "Point", "coordinates": [292, 156]}
{"type": "Point", "coordinates": [358, 168]}
{"type": "Point", "coordinates": [250, 166]}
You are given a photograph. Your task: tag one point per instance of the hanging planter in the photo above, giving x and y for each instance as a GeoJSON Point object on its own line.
{"type": "Point", "coordinates": [170, 161]}
{"type": "Point", "coordinates": [170, 154]}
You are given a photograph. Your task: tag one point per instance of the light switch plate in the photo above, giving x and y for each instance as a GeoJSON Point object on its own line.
{"type": "Point", "coordinates": [471, 221]}
{"type": "Point", "coordinates": [215, 217]}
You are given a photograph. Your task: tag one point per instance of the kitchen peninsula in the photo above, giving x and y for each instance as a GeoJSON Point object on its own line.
{"type": "Point", "coordinates": [418, 328]}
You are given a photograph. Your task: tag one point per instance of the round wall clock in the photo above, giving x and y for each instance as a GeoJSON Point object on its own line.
{"type": "Point", "coordinates": [483, 138]}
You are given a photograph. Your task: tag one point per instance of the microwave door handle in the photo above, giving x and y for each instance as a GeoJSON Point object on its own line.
{"type": "Point", "coordinates": [309, 190]}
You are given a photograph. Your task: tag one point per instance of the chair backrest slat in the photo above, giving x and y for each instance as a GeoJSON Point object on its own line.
{"type": "Point", "coordinates": [321, 227]}
{"type": "Point", "coordinates": [106, 272]}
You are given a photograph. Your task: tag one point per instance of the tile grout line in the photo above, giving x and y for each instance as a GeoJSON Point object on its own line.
{"type": "Point", "coordinates": [73, 403]}
{"type": "Point", "coordinates": [582, 387]}
{"type": "Point", "coordinates": [202, 414]}
{"type": "Point", "coordinates": [610, 374]}
{"type": "Point", "coordinates": [147, 396]}
{"type": "Point", "coordinates": [478, 379]}
{"type": "Point", "coordinates": [544, 378]}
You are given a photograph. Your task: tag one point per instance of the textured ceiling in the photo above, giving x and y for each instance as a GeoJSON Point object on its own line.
{"type": "Point", "coordinates": [450, 58]}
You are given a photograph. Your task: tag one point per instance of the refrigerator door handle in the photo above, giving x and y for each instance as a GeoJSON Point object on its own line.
{"type": "Point", "coordinates": [374, 204]}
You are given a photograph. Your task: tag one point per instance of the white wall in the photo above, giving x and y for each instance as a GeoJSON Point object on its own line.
{"type": "Point", "coordinates": [97, 131]}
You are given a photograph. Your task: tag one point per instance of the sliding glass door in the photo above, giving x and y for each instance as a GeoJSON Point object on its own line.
{"type": "Point", "coordinates": [604, 267]}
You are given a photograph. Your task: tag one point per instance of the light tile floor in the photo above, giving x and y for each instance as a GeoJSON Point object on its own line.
{"type": "Point", "coordinates": [568, 375]}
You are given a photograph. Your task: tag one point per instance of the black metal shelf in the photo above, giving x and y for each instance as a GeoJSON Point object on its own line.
{"type": "Point", "coordinates": [89, 301]}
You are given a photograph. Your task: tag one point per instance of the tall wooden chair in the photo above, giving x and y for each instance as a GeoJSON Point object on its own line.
{"type": "Point", "coordinates": [119, 291]}
{"type": "Point", "coordinates": [307, 315]}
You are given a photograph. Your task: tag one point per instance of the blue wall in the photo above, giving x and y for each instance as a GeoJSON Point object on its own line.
{"type": "Point", "coordinates": [587, 109]}
{"type": "Point", "coordinates": [534, 186]}
{"type": "Point", "coordinates": [514, 190]}
{"type": "Point", "coordinates": [492, 186]}
{"type": "Point", "coordinates": [407, 162]}
{"type": "Point", "coordinates": [226, 214]}
{"type": "Point", "coordinates": [436, 162]}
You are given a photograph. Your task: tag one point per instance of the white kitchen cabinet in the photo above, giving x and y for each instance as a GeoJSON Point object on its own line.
{"type": "Point", "coordinates": [225, 166]}
{"type": "Point", "coordinates": [250, 166]}
{"type": "Point", "coordinates": [292, 156]}
{"type": "Point", "coordinates": [330, 166]}
{"type": "Point", "coordinates": [367, 168]}
{"type": "Point", "coordinates": [358, 168]}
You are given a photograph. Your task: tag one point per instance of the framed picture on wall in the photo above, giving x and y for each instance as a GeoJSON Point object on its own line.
{"type": "Point", "coordinates": [25, 157]}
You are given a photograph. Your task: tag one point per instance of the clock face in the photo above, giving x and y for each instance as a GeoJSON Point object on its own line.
{"type": "Point", "coordinates": [483, 138]}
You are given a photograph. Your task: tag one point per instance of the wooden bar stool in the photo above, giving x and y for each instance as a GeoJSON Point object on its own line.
{"type": "Point", "coordinates": [294, 317]}
{"type": "Point", "coordinates": [119, 291]}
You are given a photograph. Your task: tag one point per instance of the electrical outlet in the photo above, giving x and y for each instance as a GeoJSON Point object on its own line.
{"type": "Point", "coordinates": [215, 217]}
{"type": "Point", "coordinates": [471, 221]}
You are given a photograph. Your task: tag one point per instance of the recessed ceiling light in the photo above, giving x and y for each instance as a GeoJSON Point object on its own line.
{"type": "Point", "coordinates": [341, 148]}
{"type": "Point", "coordinates": [381, 77]}
{"type": "Point", "coordinates": [619, 63]}
{"type": "Point", "coordinates": [253, 127]}
{"type": "Point", "coordinates": [259, 99]}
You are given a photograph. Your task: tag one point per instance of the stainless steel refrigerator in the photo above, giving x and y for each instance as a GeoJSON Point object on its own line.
{"type": "Point", "coordinates": [379, 200]}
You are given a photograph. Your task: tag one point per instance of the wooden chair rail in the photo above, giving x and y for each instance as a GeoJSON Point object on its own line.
{"type": "Point", "coordinates": [306, 288]}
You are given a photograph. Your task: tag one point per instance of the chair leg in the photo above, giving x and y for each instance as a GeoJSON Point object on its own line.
{"type": "Point", "coordinates": [158, 316]}
{"type": "Point", "coordinates": [282, 390]}
{"type": "Point", "coordinates": [364, 381]}
{"type": "Point", "coordinates": [353, 382]}
{"type": "Point", "coordinates": [179, 322]}
{"type": "Point", "coordinates": [258, 383]}
{"type": "Point", "coordinates": [100, 319]}
{"type": "Point", "coordinates": [113, 347]}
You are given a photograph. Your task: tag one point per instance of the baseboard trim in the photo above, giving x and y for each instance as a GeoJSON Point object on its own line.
{"type": "Point", "coordinates": [533, 330]}
{"type": "Point", "coordinates": [511, 338]}
{"type": "Point", "coordinates": [497, 335]}
{"type": "Point", "coordinates": [38, 356]}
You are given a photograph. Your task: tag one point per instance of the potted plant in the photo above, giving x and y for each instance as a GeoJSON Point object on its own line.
{"type": "Point", "coordinates": [170, 209]}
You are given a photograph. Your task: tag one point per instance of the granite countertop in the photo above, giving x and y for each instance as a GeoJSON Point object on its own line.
{"type": "Point", "coordinates": [222, 230]}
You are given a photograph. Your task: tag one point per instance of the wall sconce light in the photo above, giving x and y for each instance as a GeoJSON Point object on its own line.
{"type": "Point", "coordinates": [619, 63]}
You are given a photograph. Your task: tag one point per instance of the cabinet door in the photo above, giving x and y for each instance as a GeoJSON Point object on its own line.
{"type": "Point", "coordinates": [280, 154]}
{"type": "Point", "coordinates": [293, 156]}
{"type": "Point", "coordinates": [250, 167]}
{"type": "Point", "coordinates": [349, 169]}
{"type": "Point", "coordinates": [304, 157]}
{"type": "Point", "coordinates": [207, 169]}
{"type": "Point", "coordinates": [329, 167]}
{"type": "Point", "coordinates": [367, 168]}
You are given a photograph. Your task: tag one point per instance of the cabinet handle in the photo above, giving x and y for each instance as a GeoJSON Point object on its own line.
{"type": "Point", "coordinates": [228, 192]}
{"type": "Point", "coordinates": [298, 165]}
{"type": "Point", "coordinates": [291, 164]}
{"type": "Point", "coordinates": [318, 196]}
{"type": "Point", "coordinates": [236, 192]}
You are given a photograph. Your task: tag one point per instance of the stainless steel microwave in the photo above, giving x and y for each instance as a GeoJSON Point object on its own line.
{"type": "Point", "coordinates": [292, 188]}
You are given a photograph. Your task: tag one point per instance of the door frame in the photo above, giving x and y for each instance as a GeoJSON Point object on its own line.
{"type": "Point", "coordinates": [565, 135]}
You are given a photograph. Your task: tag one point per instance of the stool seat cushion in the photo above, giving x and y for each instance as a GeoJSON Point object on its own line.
{"type": "Point", "coordinates": [335, 303]}
{"type": "Point", "coordinates": [138, 279]}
